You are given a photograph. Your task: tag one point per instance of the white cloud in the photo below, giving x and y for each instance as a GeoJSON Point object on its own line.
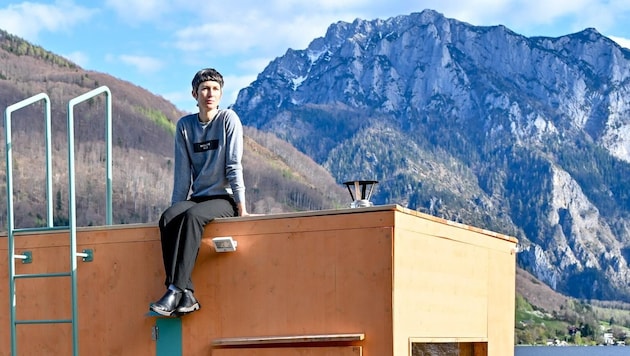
{"type": "Point", "coordinates": [218, 38]}
{"type": "Point", "coordinates": [183, 100]}
{"type": "Point", "coordinates": [78, 57]}
{"type": "Point", "coordinates": [541, 17]}
{"type": "Point", "coordinates": [233, 84]}
{"type": "Point", "coordinates": [320, 5]}
{"type": "Point", "coordinates": [28, 19]}
{"type": "Point", "coordinates": [254, 65]}
{"type": "Point", "coordinates": [254, 31]}
{"type": "Point", "coordinates": [143, 64]}
{"type": "Point", "coordinates": [623, 42]}
{"type": "Point", "coordinates": [139, 10]}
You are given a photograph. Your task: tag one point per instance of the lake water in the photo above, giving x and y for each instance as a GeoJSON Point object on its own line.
{"type": "Point", "coordinates": [572, 351]}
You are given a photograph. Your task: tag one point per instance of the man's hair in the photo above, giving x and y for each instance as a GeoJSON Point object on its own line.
{"type": "Point", "coordinates": [205, 75]}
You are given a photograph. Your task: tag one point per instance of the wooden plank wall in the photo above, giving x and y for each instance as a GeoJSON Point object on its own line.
{"type": "Point", "coordinates": [293, 275]}
{"type": "Point", "coordinates": [452, 282]}
{"type": "Point", "coordinates": [298, 275]}
{"type": "Point", "coordinates": [114, 292]}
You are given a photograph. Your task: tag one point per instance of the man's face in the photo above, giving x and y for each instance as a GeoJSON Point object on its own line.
{"type": "Point", "coordinates": [208, 95]}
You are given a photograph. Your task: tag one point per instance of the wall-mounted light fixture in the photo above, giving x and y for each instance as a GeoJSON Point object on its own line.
{"type": "Point", "coordinates": [224, 244]}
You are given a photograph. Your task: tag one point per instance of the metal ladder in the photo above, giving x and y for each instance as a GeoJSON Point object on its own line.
{"type": "Point", "coordinates": [26, 256]}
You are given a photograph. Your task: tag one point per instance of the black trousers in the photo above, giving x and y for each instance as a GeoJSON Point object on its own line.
{"type": "Point", "coordinates": [181, 228]}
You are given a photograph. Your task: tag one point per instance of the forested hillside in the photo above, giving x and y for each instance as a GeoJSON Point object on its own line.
{"type": "Point", "coordinates": [278, 178]}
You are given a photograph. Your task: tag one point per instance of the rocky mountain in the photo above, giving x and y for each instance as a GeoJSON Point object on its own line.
{"type": "Point", "coordinates": [528, 136]}
{"type": "Point", "coordinates": [278, 177]}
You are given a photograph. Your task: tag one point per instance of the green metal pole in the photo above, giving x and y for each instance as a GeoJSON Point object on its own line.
{"type": "Point", "coordinates": [10, 217]}
{"type": "Point", "coordinates": [72, 197]}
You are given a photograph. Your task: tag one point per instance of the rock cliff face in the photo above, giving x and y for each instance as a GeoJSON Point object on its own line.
{"type": "Point", "coordinates": [525, 136]}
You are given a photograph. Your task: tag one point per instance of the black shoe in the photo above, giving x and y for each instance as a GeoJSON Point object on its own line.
{"type": "Point", "coordinates": [167, 304]}
{"type": "Point", "coordinates": [188, 303]}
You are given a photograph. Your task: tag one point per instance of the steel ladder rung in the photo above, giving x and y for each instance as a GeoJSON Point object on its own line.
{"type": "Point", "coordinates": [44, 321]}
{"type": "Point", "coordinates": [41, 229]}
{"type": "Point", "coordinates": [43, 275]}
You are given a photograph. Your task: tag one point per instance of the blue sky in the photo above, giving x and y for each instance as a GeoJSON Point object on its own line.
{"type": "Point", "coordinates": [160, 44]}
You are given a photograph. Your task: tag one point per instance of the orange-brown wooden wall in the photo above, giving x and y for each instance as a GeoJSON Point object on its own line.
{"type": "Point", "coordinates": [387, 273]}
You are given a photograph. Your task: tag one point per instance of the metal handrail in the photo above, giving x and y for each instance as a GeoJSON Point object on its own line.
{"type": "Point", "coordinates": [10, 218]}
{"type": "Point", "coordinates": [86, 254]}
{"type": "Point", "coordinates": [72, 194]}
{"type": "Point", "coordinates": [108, 144]}
{"type": "Point", "coordinates": [9, 155]}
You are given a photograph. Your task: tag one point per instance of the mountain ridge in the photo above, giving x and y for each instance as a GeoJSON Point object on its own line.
{"type": "Point", "coordinates": [524, 136]}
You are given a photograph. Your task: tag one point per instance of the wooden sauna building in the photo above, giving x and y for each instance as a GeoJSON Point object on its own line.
{"type": "Point", "coordinates": [373, 281]}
